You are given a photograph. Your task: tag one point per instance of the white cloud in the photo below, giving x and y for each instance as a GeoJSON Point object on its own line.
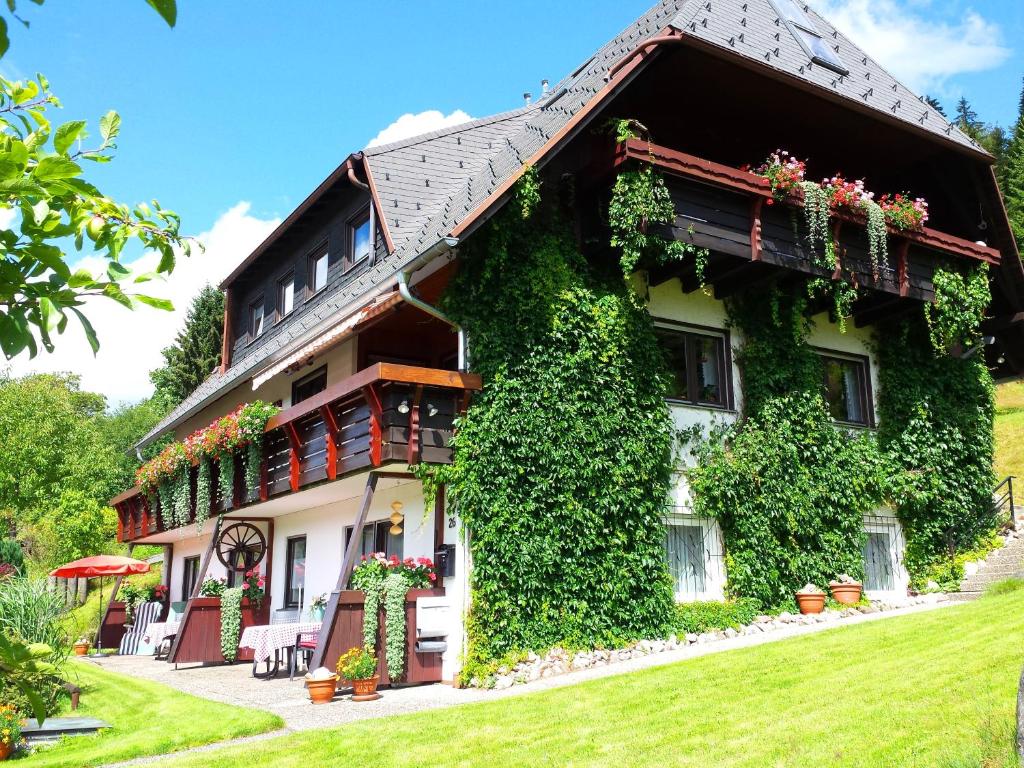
{"type": "Point", "coordinates": [919, 49]}
{"type": "Point", "coordinates": [130, 341]}
{"type": "Point", "coordinates": [413, 125]}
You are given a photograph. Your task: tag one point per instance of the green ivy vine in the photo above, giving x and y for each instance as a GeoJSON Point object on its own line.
{"type": "Point", "coordinates": [961, 298]}
{"type": "Point", "coordinates": [373, 590]}
{"type": "Point", "coordinates": [182, 492]}
{"type": "Point", "coordinates": [226, 479]}
{"type": "Point", "coordinates": [396, 587]}
{"type": "Point", "coordinates": [817, 217]}
{"type": "Point", "coordinates": [562, 463]}
{"type": "Point", "coordinates": [230, 622]}
{"type": "Point", "coordinates": [203, 489]}
{"type": "Point", "coordinates": [253, 460]}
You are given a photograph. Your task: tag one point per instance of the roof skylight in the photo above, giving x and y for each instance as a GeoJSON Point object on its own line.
{"type": "Point", "coordinates": [803, 29]}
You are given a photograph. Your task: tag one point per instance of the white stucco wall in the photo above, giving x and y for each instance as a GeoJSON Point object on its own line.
{"type": "Point", "coordinates": [191, 545]}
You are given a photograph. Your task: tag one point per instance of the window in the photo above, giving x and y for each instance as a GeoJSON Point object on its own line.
{"type": "Point", "coordinates": [846, 389]}
{"type": "Point", "coordinates": [307, 386]}
{"type": "Point", "coordinates": [698, 365]}
{"type": "Point", "coordinates": [317, 271]}
{"type": "Point", "coordinates": [377, 537]}
{"type": "Point", "coordinates": [286, 294]}
{"type": "Point", "coordinates": [256, 318]}
{"type": "Point", "coordinates": [360, 241]}
{"type": "Point", "coordinates": [687, 558]}
{"type": "Point", "coordinates": [803, 29]}
{"type": "Point", "coordinates": [295, 573]}
{"type": "Point", "coordinates": [189, 576]}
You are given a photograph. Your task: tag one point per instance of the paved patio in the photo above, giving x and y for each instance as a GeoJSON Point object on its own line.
{"type": "Point", "coordinates": [288, 699]}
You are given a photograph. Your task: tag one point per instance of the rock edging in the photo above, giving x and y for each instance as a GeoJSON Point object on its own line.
{"type": "Point", "coordinates": [559, 661]}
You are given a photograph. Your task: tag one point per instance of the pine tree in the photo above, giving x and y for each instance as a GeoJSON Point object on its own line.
{"type": "Point", "coordinates": [196, 350]}
{"type": "Point", "coordinates": [1013, 177]}
{"type": "Point", "coordinates": [935, 104]}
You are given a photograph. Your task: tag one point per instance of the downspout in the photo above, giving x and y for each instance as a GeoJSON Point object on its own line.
{"type": "Point", "coordinates": [373, 212]}
{"type": "Point", "coordinates": [427, 256]}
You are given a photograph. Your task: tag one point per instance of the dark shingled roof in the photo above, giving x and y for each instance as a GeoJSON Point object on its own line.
{"type": "Point", "coordinates": [429, 184]}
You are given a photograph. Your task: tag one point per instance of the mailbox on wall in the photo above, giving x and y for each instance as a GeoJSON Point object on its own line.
{"type": "Point", "coordinates": [444, 560]}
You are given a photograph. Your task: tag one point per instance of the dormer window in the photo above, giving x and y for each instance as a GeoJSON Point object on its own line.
{"type": "Point", "coordinates": [803, 29]}
{"type": "Point", "coordinates": [256, 318]}
{"type": "Point", "coordinates": [360, 241]}
{"type": "Point", "coordinates": [317, 271]}
{"type": "Point", "coordinates": [285, 294]}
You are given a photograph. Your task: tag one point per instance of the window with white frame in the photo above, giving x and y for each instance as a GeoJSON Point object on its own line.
{"type": "Point", "coordinates": [693, 548]}
{"type": "Point", "coordinates": [884, 572]}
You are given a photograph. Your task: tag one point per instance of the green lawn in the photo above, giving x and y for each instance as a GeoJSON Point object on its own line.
{"type": "Point", "coordinates": [1010, 431]}
{"type": "Point", "coordinates": [933, 689]}
{"type": "Point", "coordinates": [148, 719]}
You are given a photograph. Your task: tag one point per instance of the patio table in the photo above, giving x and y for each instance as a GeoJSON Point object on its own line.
{"type": "Point", "coordinates": [158, 630]}
{"type": "Point", "coordinates": [268, 640]}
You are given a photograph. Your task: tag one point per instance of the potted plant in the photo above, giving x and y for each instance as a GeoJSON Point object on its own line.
{"type": "Point", "coordinates": [253, 587]}
{"type": "Point", "coordinates": [359, 666]}
{"type": "Point", "coordinates": [846, 589]}
{"type": "Point", "coordinates": [213, 587]}
{"type": "Point", "coordinates": [321, 684]}
{"type": "Point", "coordinates": [810, 599]}
{"type": "Point", "coordinates": [81, 646]}
{"type": "Point", "coordinates": [318, 607]}
{"type": "Point", "coordinates": [10, 730]}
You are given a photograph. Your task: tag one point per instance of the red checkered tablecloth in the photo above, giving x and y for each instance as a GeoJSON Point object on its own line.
{"type": "Point", "coordinates": [264, 639]}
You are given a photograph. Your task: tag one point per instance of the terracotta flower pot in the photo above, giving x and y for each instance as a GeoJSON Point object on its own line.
{"type": "Point", "coordinates": [5, 750]}
{"type": "Point", "coordinates": [80, 649]}
{"type": "Point", "coordinates": [847, 594]}
{"type": "Point", "coordinates": [810, 603]}
{"type": "Point", "coordinates": [365, 690]}
{"type": "Point", "coordinates": [322, 691]}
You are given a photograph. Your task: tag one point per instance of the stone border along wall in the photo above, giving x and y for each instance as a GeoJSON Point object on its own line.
{"type": "Point", "coordinates": [558, 661]}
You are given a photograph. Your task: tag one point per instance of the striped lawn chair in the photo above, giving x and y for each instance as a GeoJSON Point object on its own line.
{"type": "Point", "coordinates": [133, 643]}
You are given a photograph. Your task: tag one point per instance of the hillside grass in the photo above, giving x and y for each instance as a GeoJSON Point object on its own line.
{"type": "Point", "coordinates": [147, 719]}
{"type": "Point", "coordinates": [84, 618]}
{"type": "Point", "coordinates": [1009, 458]}
{"type": "Point", "coordinates": [929, 689]}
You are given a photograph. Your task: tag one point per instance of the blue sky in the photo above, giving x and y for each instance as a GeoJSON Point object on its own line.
{"type": "Point", "coordinates": [234, 116]}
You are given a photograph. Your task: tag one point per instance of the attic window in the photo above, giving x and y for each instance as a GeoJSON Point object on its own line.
{"type": "Point", "coordinates": [803, 29]}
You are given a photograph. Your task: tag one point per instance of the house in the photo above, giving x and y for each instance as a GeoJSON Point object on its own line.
{"type": "Point", "coordinates": [335, 317]}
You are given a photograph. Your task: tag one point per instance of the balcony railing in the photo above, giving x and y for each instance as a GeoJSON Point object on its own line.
{"type": "Point", "coordinates": [725, 210]}
{"type": "Point", "coordinates": [383, 414]}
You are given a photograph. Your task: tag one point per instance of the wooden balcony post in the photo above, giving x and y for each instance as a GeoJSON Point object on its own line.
{"type": "Point", "coordinates": [294, 463]}
{"type": "Point", "coordinates": [902, 269]}
{"type": "Point", "coordinates": [413, 446]}
{"type": "Point", "coordinates": [376, 417]}
{"type": "Point", "coordinates": [756, 205]}
{"type": "Point", "coordinates": [331, 441]}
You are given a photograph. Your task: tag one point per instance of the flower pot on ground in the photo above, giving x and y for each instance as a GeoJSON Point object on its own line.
{"type": "Point", "coordinates": [846, 590]}
{"type": "Point", "coordinates": [810, 599]}
{"type": "Point", "coordinates": [81, 648]}
{"type": "Point", "coordinates": [359, 666]}
{"type": "Point", "coordinates": [322, 685]}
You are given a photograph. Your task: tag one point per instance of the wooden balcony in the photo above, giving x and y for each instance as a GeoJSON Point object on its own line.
{"type": "Point", "coordinates": [731, 213]}
{"type": "Point", "coordinates": [384, 414]}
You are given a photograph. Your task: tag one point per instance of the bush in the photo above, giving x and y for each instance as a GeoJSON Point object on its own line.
{"type": "Point", "coordinates": [11, 554]}
{"type": "Point", "coordinates": [49, 687]}
{"type": "Point", "coordinates": [711, 615]}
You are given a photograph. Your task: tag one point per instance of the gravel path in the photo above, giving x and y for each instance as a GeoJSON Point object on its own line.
{"type": "Point", "coordinates": [288, 699]}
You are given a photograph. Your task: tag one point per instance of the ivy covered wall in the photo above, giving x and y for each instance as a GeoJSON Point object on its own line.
{"type": "Point", "coordinates": [562, 463]}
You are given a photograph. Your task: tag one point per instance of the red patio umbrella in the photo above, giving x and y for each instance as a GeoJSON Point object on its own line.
{"type": "Point", "coordinates": [100, 565]}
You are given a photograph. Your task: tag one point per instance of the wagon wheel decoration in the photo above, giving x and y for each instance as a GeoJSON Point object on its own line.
{"type": "Point", "coordinates": [241, 546]}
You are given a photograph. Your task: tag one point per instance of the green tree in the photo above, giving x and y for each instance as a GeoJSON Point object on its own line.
{"type": "Point", "coordinates": [51, 442]}
{"type": "Point", "coordinates": [121, 429]}
{"type": "Point", "coordinates": [196, 350]}
{"type": "Point", "coordinates": [42, 180]}
{"type": "Point", "coordinates": [935, 104]}
{"type": "Point", "coordinates": [75, 526]}
{"type": "Point", "coordinates": [1013, 177]}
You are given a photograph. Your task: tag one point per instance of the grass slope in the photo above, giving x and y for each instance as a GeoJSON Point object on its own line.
{"type": "Point", "coordinates": [148, 719]}
{"type": "Point", "coordinates": [1010, 432]}
{"type": "Point", "coordinates": [932, 689]}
